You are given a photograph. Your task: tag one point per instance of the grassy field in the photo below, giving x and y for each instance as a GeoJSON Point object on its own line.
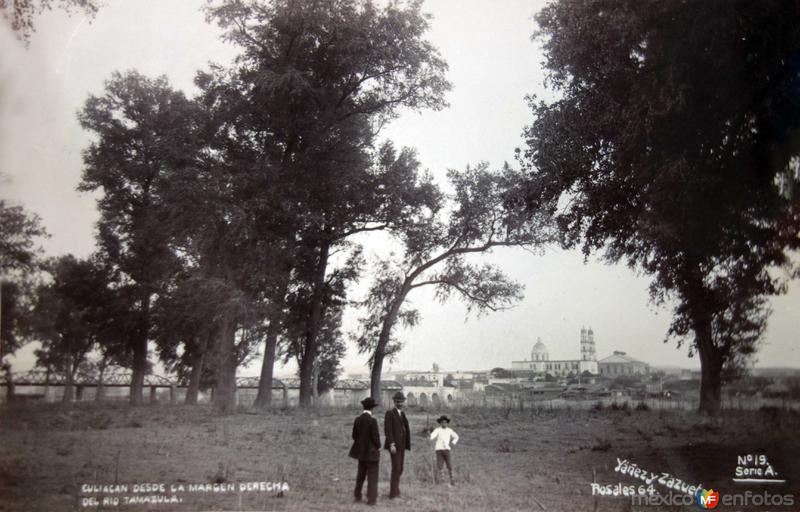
{"type": "Point", "coordinates": [506, 460]}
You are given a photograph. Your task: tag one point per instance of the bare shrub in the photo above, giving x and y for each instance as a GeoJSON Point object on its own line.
{"type": "Point", "coordinates": [100, 421]}
{"type": "Point", "coordinates": [225, 473]}
{"type": "Point", "coordinates": [506, 446]}
{"type": "Point", "coordinates": [624, 407]}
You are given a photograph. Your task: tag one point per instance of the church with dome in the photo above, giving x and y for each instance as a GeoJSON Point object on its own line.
{"type": "Point", "coordinates": [541, 363]}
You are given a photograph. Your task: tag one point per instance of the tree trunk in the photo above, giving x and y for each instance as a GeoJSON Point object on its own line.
{"type": "Point", "coordinates": [10, 383]}
{"type": "Point", "coordinates": [225, 395]}
{"type": "Point", "coordinates": [264, 396]}
{"type": "Point", "coordinates": [313, 326]}
{"type": "Point", "coordinates": [383, 339]}
{"type": "Point", "coordinates": [140, 355]}
{"type": "Point", "coordinates": [710, 374]}
{"type": "Point", "coordinates": [138, 371]}
{"type": "Point", "coordinates": [100, 393]}
{"type": "Point", "coordinates": [698, 298]}
{"type": "Point", "coordinates": [47, 382]}
{"type": "Point", "coordinates": [375, 375]}
{"type": "Point", "coordinates": [380, 354]}
{"type": "Point", "coordinates": [69, 384]}
{"type": "Point", "coordinates": [193, 390]}
{"type": "Point", "coordinates": [315, 383]}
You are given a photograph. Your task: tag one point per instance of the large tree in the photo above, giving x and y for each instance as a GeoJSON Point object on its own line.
{"type": "Point", "coordinates": [330, 347]}
{"type": "Point", "coordinates": [143, 133]}
{"type": "Point", "coordinates": [321, 79]}
{"type": "Point", "coordinates": [240, 218]}
{"type": "Point", "coordinates": [185, 329]}
{"type": "Point", "coordinates": [14, 316]}
{"type": "Point", "coordinates": [20, 232]}
{"type": "Point", "coordinates": [481, 214]}
{"type": "Point", "coordinates": [674, 147]}
{"type": "Point", "coordinates": [72, 316]}
{"type": "Point", "coordinates": [210, 221]}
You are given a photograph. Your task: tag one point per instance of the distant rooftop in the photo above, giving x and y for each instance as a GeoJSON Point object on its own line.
{"type": "Point", "coordinates": [620, 357]}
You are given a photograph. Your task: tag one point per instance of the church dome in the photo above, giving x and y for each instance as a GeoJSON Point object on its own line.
{"type": "Point", "coordinates": [539, 352]}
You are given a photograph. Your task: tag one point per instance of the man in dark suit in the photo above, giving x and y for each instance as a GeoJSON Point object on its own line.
{"type": "Point", "coordinates": [398, 440]}
{"type": "Point", "coordinates": [367, 449]}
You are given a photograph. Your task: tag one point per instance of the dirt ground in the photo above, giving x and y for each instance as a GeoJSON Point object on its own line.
{"type": "Point", "coordinates": [543, 460]}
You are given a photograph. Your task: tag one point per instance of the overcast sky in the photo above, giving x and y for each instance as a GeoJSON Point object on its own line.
{"type": "Point", "coordinates": [493, 65]}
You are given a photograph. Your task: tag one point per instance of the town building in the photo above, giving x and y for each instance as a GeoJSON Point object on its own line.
{"type": "Point", "coordinates": [428, 387]}
{"type": "Point", "coordinates": [619, 363]}
{"type": "Point", "coordinates": [541, 364]}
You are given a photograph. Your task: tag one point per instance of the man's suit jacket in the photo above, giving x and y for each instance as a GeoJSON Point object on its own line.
{"type": "Point", "coordinates": [397, 431]}
{"type": "Point", "coordinates": [366, 439]}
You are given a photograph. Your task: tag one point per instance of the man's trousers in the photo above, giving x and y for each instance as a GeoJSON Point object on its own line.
{"type": "Point", "coordinates": [397, 470]}
{"type": "Point", "coordinates": [368, 470]}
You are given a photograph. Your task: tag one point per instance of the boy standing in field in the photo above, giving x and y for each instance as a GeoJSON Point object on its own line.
{"type": "Point", "coordinates": [444, 435]}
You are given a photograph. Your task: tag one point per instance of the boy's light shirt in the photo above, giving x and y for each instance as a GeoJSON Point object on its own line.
{"type": "Point", "coordinates": [443, 437]}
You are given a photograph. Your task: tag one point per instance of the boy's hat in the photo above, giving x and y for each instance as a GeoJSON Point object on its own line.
{"type": "Point", "coordinates": [399, 397]}
{"type": "Point", "coordinates": [442, 418]}
{"type": "Point", "coordinates": [369, 403]}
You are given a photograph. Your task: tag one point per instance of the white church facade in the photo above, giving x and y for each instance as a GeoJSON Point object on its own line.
{"type": "Point", "coordinates": [541, 363]}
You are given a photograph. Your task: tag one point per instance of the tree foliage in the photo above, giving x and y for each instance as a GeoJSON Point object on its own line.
{"type": "Point", "coordinates": [224, 213]}
{"type": "Point", "coordinates": [15, 310]}
{"type": "Point", "coordinates": [73, 315]}
{"type": "Point", "coordinates": [19, 232]}
{"type": "Point", "coordinates": [325, 77]}
{"type": "Point", "coordinates": [674, 147]}
{"type": "Point", "coordinates": [483, 212]}
{"type": "Point", "coordinates": [143, 131]}
{"type": "Point", "coordinates": [20, 14]}
{"type": "Point", "coordinates": [331, 347]}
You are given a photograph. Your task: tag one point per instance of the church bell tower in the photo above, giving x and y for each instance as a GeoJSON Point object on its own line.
{"type": "Point", "coordinates": [588, 352]}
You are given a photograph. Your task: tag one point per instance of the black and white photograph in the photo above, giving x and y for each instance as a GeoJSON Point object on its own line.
{"type": "Point", "coordinates": [428, 255]}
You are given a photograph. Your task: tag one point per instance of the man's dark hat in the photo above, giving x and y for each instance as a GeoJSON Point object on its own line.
{"type": "Point", "coordinates": [442, 418]}
{"type": "Point", "coordinates": [369, 403]}
{"type": "Point", "coordinates": [399, 397]}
